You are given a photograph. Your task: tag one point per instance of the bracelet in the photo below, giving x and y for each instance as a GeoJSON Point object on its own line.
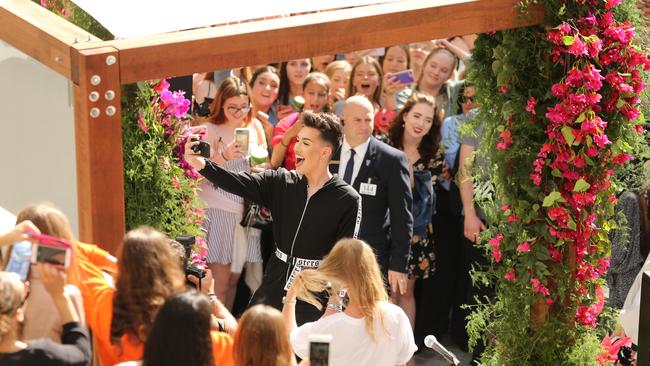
{"type": "Point", "coordinates": [223, 156]}
{"type": "Point", "coordinates": [335, 307]}
{"type": "Point", "coordinates": [213, 297]}
{"type": "Point", "coordinates": [286, 302]}
{"type": "Point", "coordinates": [220, 325]}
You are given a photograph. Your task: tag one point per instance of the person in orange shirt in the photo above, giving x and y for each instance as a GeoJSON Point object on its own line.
{"type": "Point", "coordinates": [191, 342]}
{"type": "Point", "coordinates": [121, 316]}
{"type": "Point", "coordinates": [48, 220]}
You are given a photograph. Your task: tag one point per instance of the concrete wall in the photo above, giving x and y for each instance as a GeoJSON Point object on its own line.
{"type": "Point", "coordinates": [37, 152]}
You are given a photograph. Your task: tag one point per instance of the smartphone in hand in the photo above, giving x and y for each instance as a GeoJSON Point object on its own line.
{"type": "Point", "coordinates": [319, 349]}
{"type": "Point", "coordinates": [404, 77]}
{"type": "Point", "coordinates": [20, 259]}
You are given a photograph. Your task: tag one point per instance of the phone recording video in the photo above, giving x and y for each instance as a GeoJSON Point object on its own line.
{"type": "Point", "coordinates": [19, 259]}
{"type": "Point", "coordinates": [319, 349]}
{"type": "Point", "coordinates": [52, 255]}
{"type": "Point", "coordinates": [404, 77]}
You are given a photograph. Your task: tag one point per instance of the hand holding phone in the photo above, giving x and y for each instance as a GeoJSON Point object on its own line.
{"type": "Point", "coordinates": [202, 148]}
{"type": "Point", "coordinates": [49, 249]}
{"type": "Point", "coordinates": [319, 349]}
{"type": "Point", "coordinates": [404, 77]}
{"type": "Point", "coordinates": [19, 259]}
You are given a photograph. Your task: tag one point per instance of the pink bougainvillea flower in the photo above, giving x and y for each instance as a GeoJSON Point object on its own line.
{"type": "Point", "coordinates": [511, 275]}
{"type": "Point", "coordinates": [611, 3]}
{"type": "Point", "coordinates": [578, 48]}
{"type": "Point", "coordinates": [539, 287]}
{"type": "Point", "coordinates": [503, 89]}
{"type": "Point", "coordinates": [621, 159]}
{"type": "Point", "coordinates": [639, 129]}
{"type": "Point", "coordinates": [556, 255]}
{"type": "Point", "coordinates": [505, 207]}
{"type": "Point", "coordinates": [141, 123]}
{"type": "Point", "coordinates": [523, 247]}
{"type": "Point", "coordinates": [494, 243]}
{"type": "Point", "coordinates": [592, 78]}
{"type": "Point", "coordinates": [161, 86]}
{"type": "Point", "coordinates": [506, 141]}
{"type": "Point", "coordinates": [530, 106]}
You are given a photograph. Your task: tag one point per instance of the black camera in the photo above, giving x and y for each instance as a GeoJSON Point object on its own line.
{"type": "Point", "coordinates": [202, 148]}
{"type": "Point", "coordinates": [187, 241]}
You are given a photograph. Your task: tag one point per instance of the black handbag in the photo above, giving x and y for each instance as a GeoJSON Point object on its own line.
{"type": "Point", "coordinates": [256, 216]}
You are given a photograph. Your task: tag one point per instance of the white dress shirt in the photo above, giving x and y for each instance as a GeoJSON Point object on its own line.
{"type": "Point", "coordinates": [359, 156]}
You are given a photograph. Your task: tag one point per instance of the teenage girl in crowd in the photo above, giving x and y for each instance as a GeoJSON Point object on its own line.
{"type": "Point", "coordinates": [225, 236]}
{"type": "Point", "coordinates": [416, 131]}
{"type": "Point", "coordinates": [264, 84]}
{"type": "Point", "coordinates": [435, 81]}
{"type": "Point", "coordinates": [396, 59]}
{"type": "Point", "coordinates": [262, 324]}
{"type": "Point", "coordinates": [315, 91]}
{"type": "Point", "coordinates": [365, 79]}
{"type": "Point", "coordinates": [292, 77]}
{"type": "Point", "coordinates": [370, 330]}
{"type": "Point", "coordinates": [339, 74]}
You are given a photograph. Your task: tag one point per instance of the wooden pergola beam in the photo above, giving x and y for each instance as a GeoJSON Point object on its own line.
{"type": "Point", "coordinates": [329, 32]}
{"type": "Point", "coordinates": [41, 34]}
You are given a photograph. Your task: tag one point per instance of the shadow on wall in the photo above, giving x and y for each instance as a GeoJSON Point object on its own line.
{"type": "Point", "coordinates": [37, 153]}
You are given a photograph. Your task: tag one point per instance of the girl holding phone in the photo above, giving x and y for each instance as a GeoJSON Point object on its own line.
{"type": "Point", "coordinates": [416, 131]}
{"type": "Point", "coordinates": [292, 77]}
{"type": "Point", "coordinates": [316, 92]}
{"type": "Point", "coordinates": [435, 80]}
{"type": "Point", "coordinates": [265, 84]}
{"type": "Point", "coordinates": [231, 110]}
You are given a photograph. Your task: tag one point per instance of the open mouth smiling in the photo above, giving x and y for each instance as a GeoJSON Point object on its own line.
{"type": "Point", "coordinates": [299, 160]}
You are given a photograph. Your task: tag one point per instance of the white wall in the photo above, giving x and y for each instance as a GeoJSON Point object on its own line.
{"type": "Point", "coordinates": [37, 152]}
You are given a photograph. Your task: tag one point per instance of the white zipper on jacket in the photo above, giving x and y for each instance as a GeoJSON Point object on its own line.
{"type": "Point", "coordinates": [295, 236]}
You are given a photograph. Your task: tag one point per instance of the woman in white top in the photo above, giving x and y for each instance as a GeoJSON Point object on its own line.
{"type": "Point", "coordinates": [371, 330]}
{"type": "Point", "coordinates": [227, 239]}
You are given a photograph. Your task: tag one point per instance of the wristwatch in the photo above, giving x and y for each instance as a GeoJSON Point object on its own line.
{"type": "Point", "coordinates": [335, 307]}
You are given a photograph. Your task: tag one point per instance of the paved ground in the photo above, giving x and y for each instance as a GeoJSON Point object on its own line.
{"type": "Point", "coordinates": [429, 357]}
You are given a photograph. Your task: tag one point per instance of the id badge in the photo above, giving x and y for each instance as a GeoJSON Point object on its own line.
{"type": "Point", "coordinates": [368, 189]}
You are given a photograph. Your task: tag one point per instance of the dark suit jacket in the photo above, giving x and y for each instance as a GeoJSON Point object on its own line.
{"type": "Point", "coordinates": [386, 220]}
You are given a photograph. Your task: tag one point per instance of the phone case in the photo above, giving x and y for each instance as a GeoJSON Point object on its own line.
{"type": "Point", "coordinates": [404, 77]}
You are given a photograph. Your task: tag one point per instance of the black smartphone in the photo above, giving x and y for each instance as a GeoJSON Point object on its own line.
{"type": "Point", "coordinates": [319, 349]}
{"type": "Point", "coordinates": [202, 148]}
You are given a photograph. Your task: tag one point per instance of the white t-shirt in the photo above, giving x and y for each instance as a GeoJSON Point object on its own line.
{"type": "Point", "coordinates": [352, 345]}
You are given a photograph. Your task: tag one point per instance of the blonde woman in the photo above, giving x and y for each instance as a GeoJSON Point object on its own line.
{"type": "Point", "coordinates": [259, 325]}
{"type": "Point", "coordinates": [75, 344]}
{"type": "Point", "coordinates": [371, 330]}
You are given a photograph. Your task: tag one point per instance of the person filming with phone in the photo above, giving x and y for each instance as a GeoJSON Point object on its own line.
{"type": "Point", "coordinates": [311, 208]}
{"type": "Point", "coordinates": [369, 330]}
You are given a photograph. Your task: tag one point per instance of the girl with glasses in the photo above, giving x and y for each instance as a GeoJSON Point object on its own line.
{"type": "Point", "coordinates": [227, 239]}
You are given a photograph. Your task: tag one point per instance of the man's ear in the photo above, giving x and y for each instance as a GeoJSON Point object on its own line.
{"type": "Point", "coordinates": [327, 152]}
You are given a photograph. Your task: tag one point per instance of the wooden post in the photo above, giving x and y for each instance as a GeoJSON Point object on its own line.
{"type": "Point", "coordinates": [98, 136]}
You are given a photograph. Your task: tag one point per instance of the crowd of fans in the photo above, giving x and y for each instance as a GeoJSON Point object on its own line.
{"type": "Point", "coordinates": [383, 261]}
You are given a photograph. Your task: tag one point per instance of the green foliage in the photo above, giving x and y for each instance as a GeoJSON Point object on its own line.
{"type": "Point", "coordinates": [157, 191]}
{"type": "Point", "coordinates": [77, 16]}
{"type": "Point", "coordinates": [509, 68]}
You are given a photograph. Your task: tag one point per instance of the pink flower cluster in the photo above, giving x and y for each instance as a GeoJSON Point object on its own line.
{"type": "Point", "coordinates": [494, 243]}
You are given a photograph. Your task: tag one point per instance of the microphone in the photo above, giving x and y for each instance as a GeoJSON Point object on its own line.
{"type": "Point", "coordinates": [431, 342]}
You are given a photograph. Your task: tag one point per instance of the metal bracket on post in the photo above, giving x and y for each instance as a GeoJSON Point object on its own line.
{"type": "Point", "coordinates": [98, 135]}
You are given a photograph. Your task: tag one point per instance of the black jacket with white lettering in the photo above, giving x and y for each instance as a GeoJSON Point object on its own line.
{"type": "Point", "coordinates": [302, 228]}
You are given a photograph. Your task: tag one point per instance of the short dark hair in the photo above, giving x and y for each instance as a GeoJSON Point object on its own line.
{"type": "Point", "coordinates": [327, 124]}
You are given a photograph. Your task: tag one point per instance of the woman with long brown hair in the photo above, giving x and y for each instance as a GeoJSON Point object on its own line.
{"type": "Point", "coordinates": [370, 330]}
{"type": "Point", "coordinates": [120, 317]}
{"type": "Point", "coordinates": [416, 131]}
{"type": "Point", "coordinates": [262, 325]}
{"type": "Point", "coordinates": [231, 110]}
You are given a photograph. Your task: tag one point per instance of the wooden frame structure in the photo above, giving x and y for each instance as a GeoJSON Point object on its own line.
{"type": "Point", "coordinates": [98, 68]}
